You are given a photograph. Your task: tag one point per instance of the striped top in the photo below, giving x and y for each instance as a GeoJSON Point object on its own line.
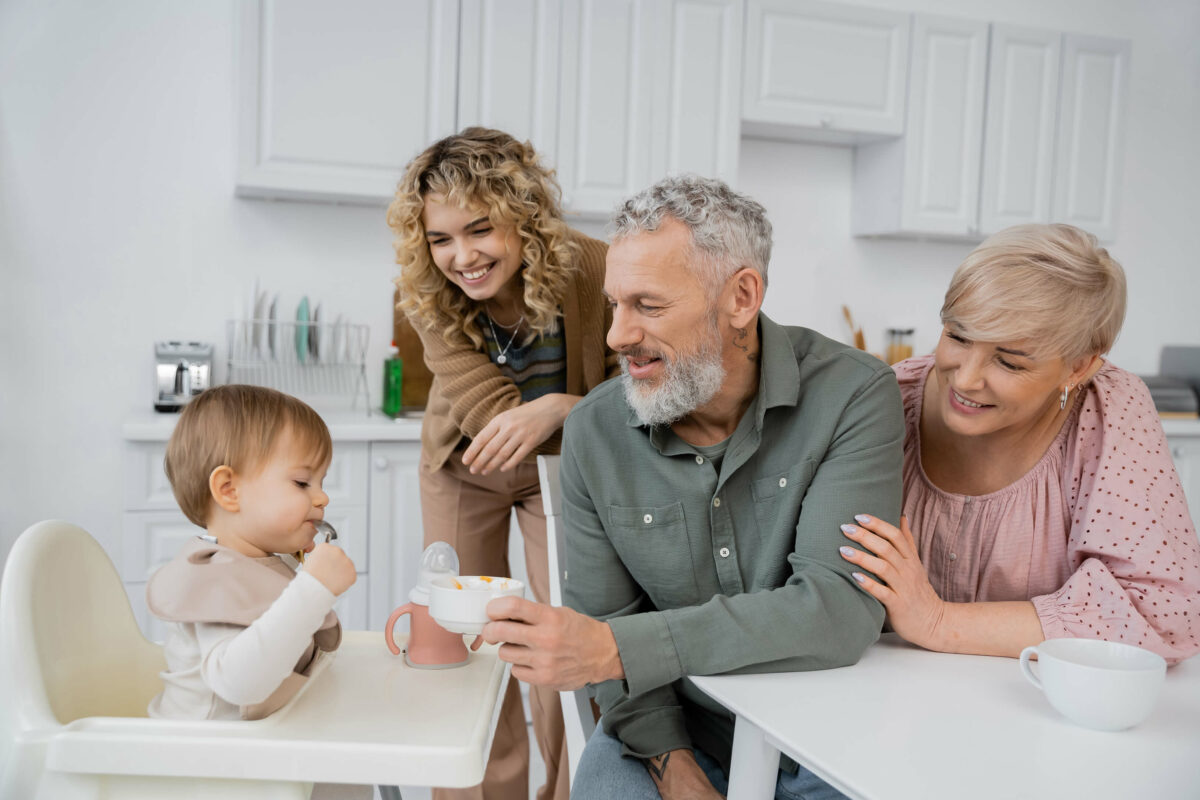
{"type": "Point", "coordinates": [537, 368]}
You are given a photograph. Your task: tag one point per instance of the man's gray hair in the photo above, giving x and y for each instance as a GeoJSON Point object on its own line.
{"type": "Point", "coordinates": [729, 230]}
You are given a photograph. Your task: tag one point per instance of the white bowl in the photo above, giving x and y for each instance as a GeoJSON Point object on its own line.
{"type": "Point", "coordinates": [459, 602]}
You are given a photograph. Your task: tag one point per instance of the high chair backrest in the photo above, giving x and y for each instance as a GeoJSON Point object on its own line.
{"type": "Point", "coordinates": [578, 720]}
{"type": "Point", "coordinates": [71, 645]}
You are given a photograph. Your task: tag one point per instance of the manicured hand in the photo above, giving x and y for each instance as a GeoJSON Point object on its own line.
{"type": "Point", "coordinates": [913, 607]}
{"type": "Point", "coordinates": [330, 565]}
{"type": "Point", "coordinates": [552, 645]}
{"type": "Point", "coordinates": [511, 435]}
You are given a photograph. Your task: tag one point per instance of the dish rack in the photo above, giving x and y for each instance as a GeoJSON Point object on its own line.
{"type": "Point", "coordinates": [323, 363]}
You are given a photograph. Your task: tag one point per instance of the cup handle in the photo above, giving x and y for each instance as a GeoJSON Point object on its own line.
{"type": "Point", "coordinates": [391, 623]}
{"type": "Point", "coordinates": [1027, 669]}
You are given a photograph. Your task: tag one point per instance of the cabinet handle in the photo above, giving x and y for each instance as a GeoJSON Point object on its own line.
{"type": "Point", "coordinates": [1176, 452]}
{"type": "Point", "coordinates": [381, 463]}
{"type": "Point", "coordinates": [826, 122]}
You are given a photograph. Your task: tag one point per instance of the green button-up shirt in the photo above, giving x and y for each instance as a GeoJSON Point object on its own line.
{"type": "Point", "coordinates": [703, 572]}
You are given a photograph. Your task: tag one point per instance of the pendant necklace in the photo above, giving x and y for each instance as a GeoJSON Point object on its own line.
{"type": "Point", "coordinates": [502, 358]}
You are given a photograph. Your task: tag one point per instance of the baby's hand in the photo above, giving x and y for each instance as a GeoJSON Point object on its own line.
{"type": "Point", "coordinates": [331, 566]}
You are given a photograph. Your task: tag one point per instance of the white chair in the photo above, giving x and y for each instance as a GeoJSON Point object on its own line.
{"type": "Point", "coordinates": [576, 706]}
{"type": "Point", "coordinates": [70, 649]}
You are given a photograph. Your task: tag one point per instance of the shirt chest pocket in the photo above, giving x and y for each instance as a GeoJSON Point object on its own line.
{"type": "Point", "coordinates": [778, 498]}
{"type": "Point", "coordinates": [654, 546]}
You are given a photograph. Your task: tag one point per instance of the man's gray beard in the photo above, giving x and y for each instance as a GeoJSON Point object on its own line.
{"type": "Point", "coordinates": [687, 383]}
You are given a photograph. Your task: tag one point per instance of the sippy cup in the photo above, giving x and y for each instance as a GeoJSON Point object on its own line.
{"type": "Point", "coordinates": [430, 646]}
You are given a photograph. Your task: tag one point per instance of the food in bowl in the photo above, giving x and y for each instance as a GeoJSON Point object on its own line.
{"type": "Point", "coordinates": [459, 602]}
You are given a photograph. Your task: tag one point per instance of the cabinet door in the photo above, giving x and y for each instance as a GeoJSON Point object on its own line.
{"type": "Point", "coordinates": [335, 98]}
{"type": "Point", "coordinates": [697, 99]}
{"type": "Point", "coordinates": [1018, 146]}
{"type": "Point", "coordinates": [605, 101]}
{"type": "Point", "coordinates": [396, 536]}
{"type": "Point", "coordinates": [826, 67]}
{"type": "Point", "coordinates": [1095, 73]}
{"type": "Point", "coordinates": [943, 144]}
{"type": "Point", "coordinates": [1185, 451]}
{"type": "Point", "coordinates": [508, 69]}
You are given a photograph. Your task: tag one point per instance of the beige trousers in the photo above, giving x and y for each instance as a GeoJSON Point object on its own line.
{"type": "Point", "coordinates": [472, 513]}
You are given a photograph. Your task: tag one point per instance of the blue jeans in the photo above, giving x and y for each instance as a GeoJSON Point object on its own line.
{"type": "Point", "coordinates": [605, 774]}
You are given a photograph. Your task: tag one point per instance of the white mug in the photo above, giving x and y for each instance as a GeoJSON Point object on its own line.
{"type": "Point", "coordinates": [1107, 686]}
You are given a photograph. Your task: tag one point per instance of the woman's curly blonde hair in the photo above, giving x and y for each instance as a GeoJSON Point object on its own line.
{"type": "Point", "coordinates": [491, 170]}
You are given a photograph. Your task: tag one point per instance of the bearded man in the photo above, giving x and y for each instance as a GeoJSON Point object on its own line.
{"type": "Point", "coordinates": [703, 494]}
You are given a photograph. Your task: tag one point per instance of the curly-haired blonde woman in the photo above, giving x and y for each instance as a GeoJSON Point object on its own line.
{"type": "Point", "coordinates": [507, 302]}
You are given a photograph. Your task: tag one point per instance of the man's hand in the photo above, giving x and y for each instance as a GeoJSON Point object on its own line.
{"type": "Point", "coordinates": [552, 646]}
{"type": "Point", "coordinates": [679, 777]}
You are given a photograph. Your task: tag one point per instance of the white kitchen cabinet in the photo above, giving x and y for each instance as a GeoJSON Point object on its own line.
{"type": "Point", "coordinates": [508, 69]}
{"type": "Point", "coordinates": [396, 534]}
{"type": "Point", "coordinates": [819, 71]}
{"type": "Point", "coordinates": [1185, 452]}
{"type": "Point", "coordinates": [649, 87]}
{"type": "Point", "coordinates": [335, 98]}
{"type": "Point", "coordinates": [1045, 149]}
{"type": "Point", "coordinates": [928, 181]}
{"type": "Point", "coordinates": [1091, 131]}
{"type": "Point", "coordinates": [1018, 144]}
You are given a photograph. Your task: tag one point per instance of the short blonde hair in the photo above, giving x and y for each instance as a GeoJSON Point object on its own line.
{"type": "Point", "coordinates": [1051, 285]}
{"type": "Point", "coordinates": [492, 170]}
{"type": "Point", "coordinates": [235, 426]}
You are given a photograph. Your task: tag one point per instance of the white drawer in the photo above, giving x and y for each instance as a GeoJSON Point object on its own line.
{"type": "Point", "coordinates": [152, 538]}
{"type": "Point", "coordinates": [147, 487]}
{"type": "Point", "coordinates": [146, 484]}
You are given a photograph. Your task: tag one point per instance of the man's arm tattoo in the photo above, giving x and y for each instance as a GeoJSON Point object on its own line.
{"type": "Point", "coordinates": [658, 765]}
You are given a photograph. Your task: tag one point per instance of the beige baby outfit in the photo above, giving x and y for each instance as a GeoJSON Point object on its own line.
{"type": "Point", "coordinates": [243, 634]}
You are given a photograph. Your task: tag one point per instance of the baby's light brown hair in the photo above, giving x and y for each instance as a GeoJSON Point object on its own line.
{"type": "Point", "coordinates": [235, 426]}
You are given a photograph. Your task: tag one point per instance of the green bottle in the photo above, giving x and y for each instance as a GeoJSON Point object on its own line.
{"type": "Point", "coordinates": [393, 381]}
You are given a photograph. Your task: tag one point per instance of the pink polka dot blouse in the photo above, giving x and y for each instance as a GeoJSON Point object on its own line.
{"type": "Point", "coordinates": [1097, 534]}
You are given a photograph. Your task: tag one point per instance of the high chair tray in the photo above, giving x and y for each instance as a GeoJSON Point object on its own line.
{"type": "Point", "coordinates": [367, 718]}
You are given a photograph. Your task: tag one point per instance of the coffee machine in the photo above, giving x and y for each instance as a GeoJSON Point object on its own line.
{"type": "Point", "coordinates": [182, 370]}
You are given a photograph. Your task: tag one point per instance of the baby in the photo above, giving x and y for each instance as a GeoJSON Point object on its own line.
{"type": "Point", "coordinates": [245, 630]}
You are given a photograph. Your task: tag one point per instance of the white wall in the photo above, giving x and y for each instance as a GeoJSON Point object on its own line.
{"type": "Point", "coordinates": [118, 224]}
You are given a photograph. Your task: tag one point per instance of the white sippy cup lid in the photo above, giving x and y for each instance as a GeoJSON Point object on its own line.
{"type": "Point", "coordinates": [438, 559]}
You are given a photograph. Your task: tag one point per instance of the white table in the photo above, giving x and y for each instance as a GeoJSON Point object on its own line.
{"type": "Point", "coordinates": [908, 723]}
{"type": "Point", "coordinates": [368, 718]}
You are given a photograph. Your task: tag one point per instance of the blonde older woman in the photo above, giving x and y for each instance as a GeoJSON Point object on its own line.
{"type": "Point", "coordinates": [1039, 497]}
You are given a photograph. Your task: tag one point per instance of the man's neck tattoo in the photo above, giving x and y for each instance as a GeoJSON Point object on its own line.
{"type": "Point", "coordinates": [739, 341]}
{"type": "Point", "coordinates": [658, 766]}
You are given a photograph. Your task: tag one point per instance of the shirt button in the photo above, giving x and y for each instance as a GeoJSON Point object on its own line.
{"type": "Point", "coordinates": [782, 482]}
{"type": "Point", "coordinates": [647, 519]}
{"type": "Point", "coordinates": [716, 502]}
{"type": "Point", "coordinates": [699, 459]}
{"type": "Point", "coordinates": [724, 552]}
{"type": "Point", "coordinates": [954, 556]}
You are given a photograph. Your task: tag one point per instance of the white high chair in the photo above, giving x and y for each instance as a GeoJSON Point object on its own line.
{"type": "Point", "coordinates": [578, 721]}
{"type": "Point", "coordinates": [76, 676]}
{"type": "Point", "coordinates": [71, 654]}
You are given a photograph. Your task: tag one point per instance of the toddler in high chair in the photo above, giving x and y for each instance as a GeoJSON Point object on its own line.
{"type": "Point", "coordinates": [245, 630]}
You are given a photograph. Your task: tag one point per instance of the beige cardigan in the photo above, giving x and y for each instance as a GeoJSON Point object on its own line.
{"type": "Point", "coordinates": [468, 389]}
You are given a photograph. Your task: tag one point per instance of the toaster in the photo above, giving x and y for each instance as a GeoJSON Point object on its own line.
{"type": "Point", "coordinates": [182, 370]}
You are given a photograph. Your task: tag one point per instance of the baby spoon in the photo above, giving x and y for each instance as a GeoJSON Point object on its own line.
{"type": "Point", "coordinates": [323, 527]}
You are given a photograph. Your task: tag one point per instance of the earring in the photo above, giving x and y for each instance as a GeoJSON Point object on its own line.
{"type": "Point", "coordinates": [1062, 399]}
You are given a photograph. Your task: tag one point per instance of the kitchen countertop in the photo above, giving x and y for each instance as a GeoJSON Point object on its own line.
{"type": "Point", "coordinates": [344, 426]}
{"type": "Point", "coordinates": [350, 426]}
